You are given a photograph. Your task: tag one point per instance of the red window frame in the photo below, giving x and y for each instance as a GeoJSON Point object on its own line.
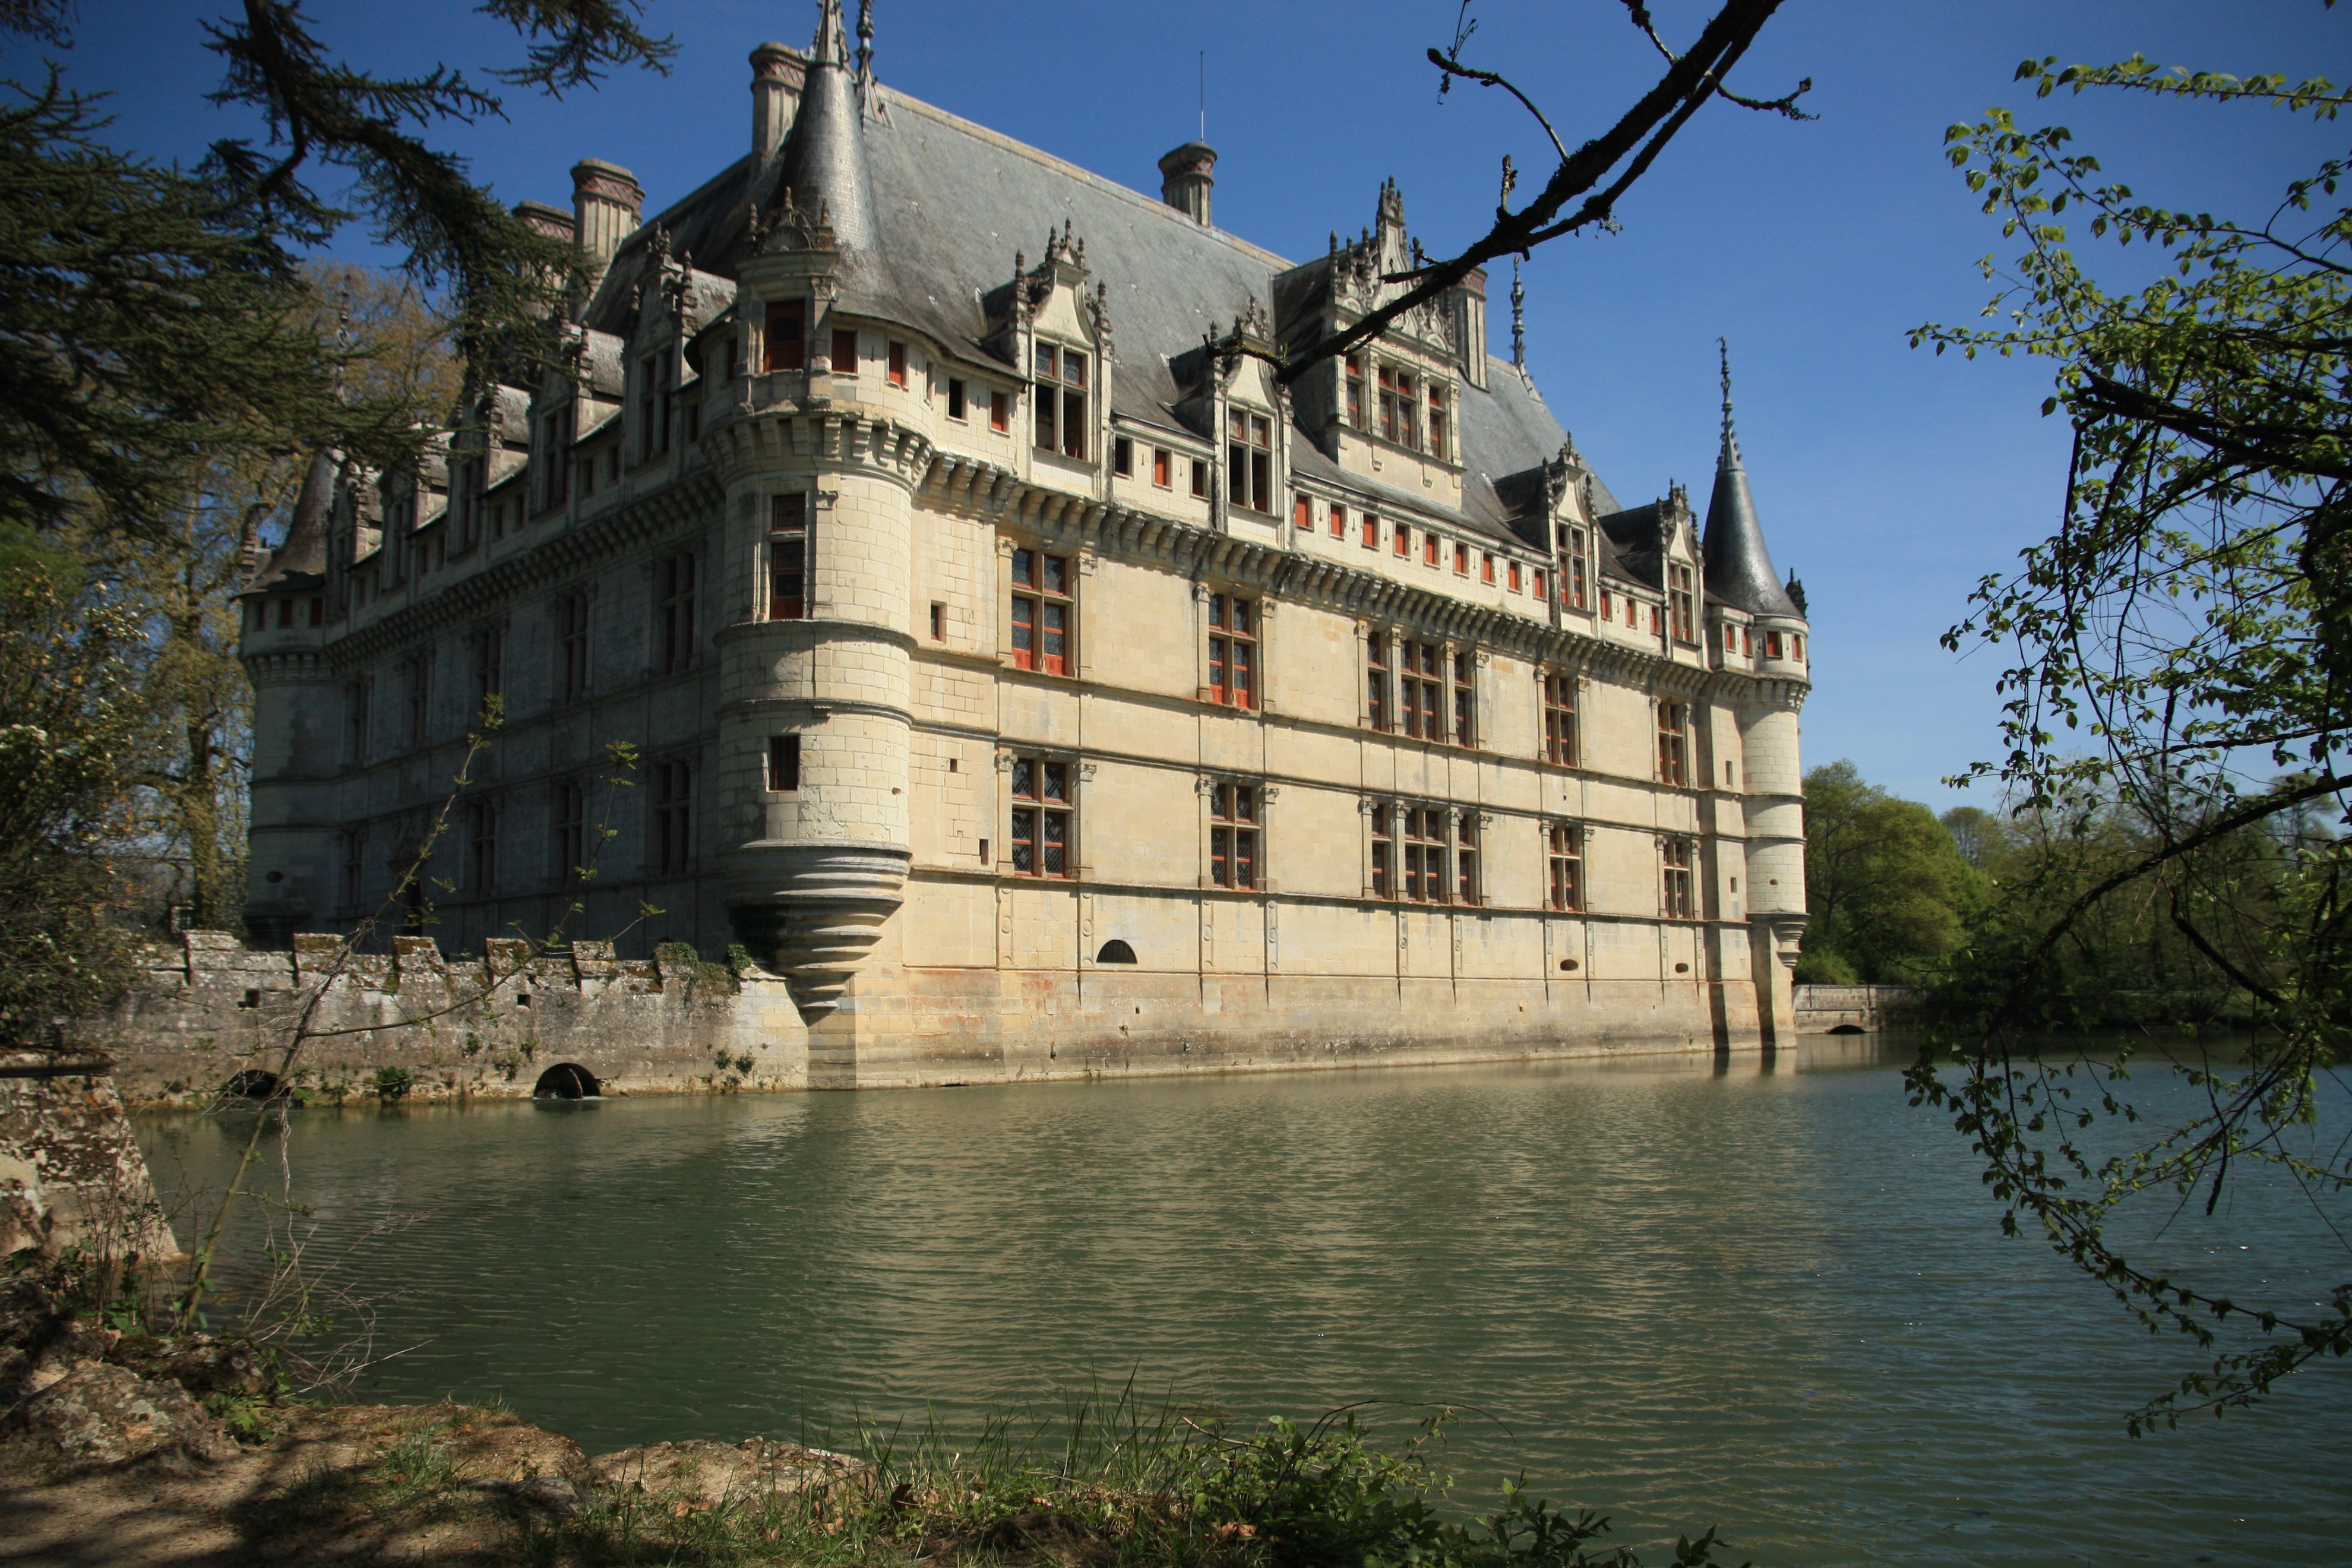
{"type": "Point", "coordinates": [1564, 853]}
{"type": "Point", "coordinates": [1043, 612]}
{"type": "Point", "coordinates": [1559, 719]}
{"type": "Point", "coordinates": [1421, 689]}
{"type": "Point", "coordinates": [1233, 835]}
{"type": "Point", "coordinates": [1061, 394]}
{"type": "Point", "coordinates": [1673, 744]}
{"type": "Point", "coordinates": [1427, 854]}
{"type": "Point", "coordinates": [1233, 651]}
{"type": "Point", "coordinates": [1675, 893]}
{"type": "Point", "coordinates": [845, 351]}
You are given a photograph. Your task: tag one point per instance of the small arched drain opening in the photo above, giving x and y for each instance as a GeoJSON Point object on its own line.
{"type": "Point", "coordinates": [1114, 952]}
{"type": "Point", "coordinates": [1849, 1029]}
{"type": "Point", "coordinates": [254, 1084]}
{"type": "Point", "coordinates": [565, 1080]}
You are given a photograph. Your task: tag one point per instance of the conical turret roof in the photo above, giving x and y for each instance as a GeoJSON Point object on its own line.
{"type": "Point", "coordinates": [301, 560]}
{"type": "Point", "coordinates": [825, 158]}
{"type": "Point", "coordinates": [1738, 567]}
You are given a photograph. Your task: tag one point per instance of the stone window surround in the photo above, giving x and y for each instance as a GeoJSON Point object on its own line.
{"type": "Point", "coordinates": [1205, 787]}
{"type": "Point", "coordinates": [1450, 649]}
{"type": "Point", "coordinates": [1262, 605]}
{"type": "Point", "coordinates": [1483, 825]}
{"type": "Point", "coordinates": [1078, 662]}
{"type": "Point", "coordinates": [1578, 851]}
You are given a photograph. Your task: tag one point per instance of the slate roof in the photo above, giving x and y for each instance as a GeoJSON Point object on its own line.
{"type": "Point", "coordinates": [1738, 567]}
{"type": "Point", "coordinates": [953, 202]}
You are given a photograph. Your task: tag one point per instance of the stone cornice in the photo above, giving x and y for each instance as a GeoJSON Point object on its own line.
{"type": "Point", "coordinates": [515, 578]}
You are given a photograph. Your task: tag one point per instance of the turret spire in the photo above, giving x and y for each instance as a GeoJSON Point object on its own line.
{"type": "Point", "coordinates": [1723, 347]}
{"type": "Point", "coordinates": [1518, 318]}
{"type": "Point", "coordinates": [1738, 567]}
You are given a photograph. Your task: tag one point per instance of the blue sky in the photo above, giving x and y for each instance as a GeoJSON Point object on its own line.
{"type": "Point", "coordinates": [1891, 480]}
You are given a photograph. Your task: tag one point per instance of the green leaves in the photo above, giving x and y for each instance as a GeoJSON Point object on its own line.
{"type": "Point", "coordinates": [2188, 627]}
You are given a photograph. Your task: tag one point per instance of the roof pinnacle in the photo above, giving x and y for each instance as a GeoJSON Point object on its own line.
{"type": "Point", "coordinates": [831, 49]}
{"type": "Point", "coordinates": [1518, 318]}
{"type": "Point", "coordinates": [1730, 441]}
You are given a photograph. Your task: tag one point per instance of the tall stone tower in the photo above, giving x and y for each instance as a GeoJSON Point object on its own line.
{"type": "Point", "coordinates": [1740, 572]}
{"type": "Point", "coordinates": [819, 461]}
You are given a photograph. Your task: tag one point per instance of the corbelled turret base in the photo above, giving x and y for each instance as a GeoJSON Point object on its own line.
{"type": "Point", "coordinates": [811, 913]}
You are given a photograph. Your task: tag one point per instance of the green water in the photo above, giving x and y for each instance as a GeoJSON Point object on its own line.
{"type": "Point", "coordinates": [1774, 1299]}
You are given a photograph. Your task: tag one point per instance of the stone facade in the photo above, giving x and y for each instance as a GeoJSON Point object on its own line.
{"type": "Point", "coordinates": [1017, 668]}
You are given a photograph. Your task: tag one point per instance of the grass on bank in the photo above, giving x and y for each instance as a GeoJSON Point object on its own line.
{"type": "Point", "coordinates": [1110, 1484]}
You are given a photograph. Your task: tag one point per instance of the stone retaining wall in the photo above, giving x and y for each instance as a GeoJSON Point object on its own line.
{"type": "Point", "coordinates": [486, 1026]}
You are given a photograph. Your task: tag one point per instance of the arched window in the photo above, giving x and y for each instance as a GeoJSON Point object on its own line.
{"type": "Point", "coordinates": [1114, 952]}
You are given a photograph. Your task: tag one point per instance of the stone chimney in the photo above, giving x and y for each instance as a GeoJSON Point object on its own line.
{"type": "Point", "coordinates": [605, 200]}
{"type": "Point", "coordinates": [1185, 177]}
{"type": "Point", "coordinates": [776, 73]}
{"type": "Point", "coordinates": [552, 222]}
{"type": "Point", "coordinates": [1467, 302]}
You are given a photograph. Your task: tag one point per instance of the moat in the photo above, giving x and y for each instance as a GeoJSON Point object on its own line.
{"type": "Point", "coordinates": [1772, 1297]}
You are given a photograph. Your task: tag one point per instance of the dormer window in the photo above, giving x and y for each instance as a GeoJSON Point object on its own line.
{"type": "Point", "coordinates": [1356, 391]}
{"type": "Point", "coordinates": [1437, 424]}
{"type": "Point", "coordinates": [1249, 460]}
{"type": "Point", "coordinates": [653, 396]}
{"type": "Point", "coordinates": [787, 346]}
{"type": "Point", "coordinates": [1399, 418]}
{"type": "Point", "coordinates": [1061, 401]}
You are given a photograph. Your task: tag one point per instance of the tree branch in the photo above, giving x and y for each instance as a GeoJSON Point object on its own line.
{"type": "Point", "coordinates": [1640, 133]}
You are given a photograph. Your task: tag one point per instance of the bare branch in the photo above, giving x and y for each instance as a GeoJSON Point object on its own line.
{"type": "Point", "coordinates": [1640, 135]}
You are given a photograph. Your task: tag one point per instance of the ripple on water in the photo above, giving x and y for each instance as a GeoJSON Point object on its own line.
{"type": "Point", "coordinates": [1774, 1301]}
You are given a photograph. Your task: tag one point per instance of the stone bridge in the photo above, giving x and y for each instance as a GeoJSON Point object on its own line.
{"type": "Point", "coordinates": [1852, 1009]}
